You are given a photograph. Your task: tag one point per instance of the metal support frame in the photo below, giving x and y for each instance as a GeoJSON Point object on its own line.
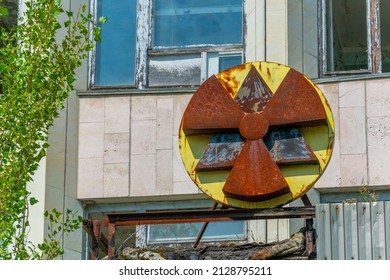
{"type": "Point", "coordinates": [204, 227]}
{"type": "Point", "coordinates": [309, 226]}
{"type": "Point", "coordinates": [309, 234]}
{"type": "Point", "coordinates": [310, 238]}
{"type": "Point", "coordinates": [98, 240]}
{"type": "Point", "coordinates": [184, 216]}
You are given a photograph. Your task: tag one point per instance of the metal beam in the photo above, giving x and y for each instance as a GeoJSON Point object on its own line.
{"type": "Point", "coordinates": [186, 216]}
{"type": "Point", "coordinates": [208, 215]}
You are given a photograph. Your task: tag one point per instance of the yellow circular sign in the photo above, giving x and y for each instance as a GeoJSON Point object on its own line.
{"type": "Point", "coordinates": [257, 135]}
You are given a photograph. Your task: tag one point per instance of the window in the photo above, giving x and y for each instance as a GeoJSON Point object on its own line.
{"type": "Point", "coordinates": [352, 38]}
{"type": "Point", "coordinates": [178, 23]}
{"type": "Point", "coordinates": [187, 232]}
{"type": "Point", "coordinates": [165, 43]}
{"type": "Point", "coordinates": [115, 55]}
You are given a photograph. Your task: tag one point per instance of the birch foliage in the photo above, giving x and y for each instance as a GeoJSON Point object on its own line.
{"type": "Point", "coordinates": [38, 60]}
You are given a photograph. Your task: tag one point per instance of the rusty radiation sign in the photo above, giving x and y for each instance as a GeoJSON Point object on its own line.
{"type": "Point", "coordinates": [257, 135]}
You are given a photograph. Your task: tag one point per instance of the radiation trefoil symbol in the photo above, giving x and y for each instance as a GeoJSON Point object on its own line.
{"type": "Point", "coordinates": [256, 135]}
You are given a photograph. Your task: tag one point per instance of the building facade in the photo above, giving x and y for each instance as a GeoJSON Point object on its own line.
{"type": "Point", "coordinates": [115, 146]}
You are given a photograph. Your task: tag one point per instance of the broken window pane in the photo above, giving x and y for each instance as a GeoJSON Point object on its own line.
{"type": "Point", "coordinates": [115, 55]}
{"type": "Point", "coordinates": [347, 35]}
{"type": "Point", "coordinates": [177, 70]}
{"type": "Point", "coordinates": [178, 23]}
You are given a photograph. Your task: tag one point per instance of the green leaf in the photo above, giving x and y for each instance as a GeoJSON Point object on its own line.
{"type": "Point", "coordinates": [103, 19]}
{"type": "Point", "coordinates": [33, 201]}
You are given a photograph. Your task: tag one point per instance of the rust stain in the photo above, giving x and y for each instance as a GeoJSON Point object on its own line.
{"type": "Point", "coordinates": [255, 176]}
{"type": "Point", "coordinates": [231, 78]}
{"type": "Point", "coordinates": [330, 146]}
{"type": "Point", "coordinates": [229, 83]}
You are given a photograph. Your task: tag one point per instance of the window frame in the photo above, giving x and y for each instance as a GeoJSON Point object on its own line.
{"type": "Point", "coordinates": [142, 37]}
{"type": "Point", "coordinates": [144, 49]}
{"type": "Point", "coordinates": [374, 63]}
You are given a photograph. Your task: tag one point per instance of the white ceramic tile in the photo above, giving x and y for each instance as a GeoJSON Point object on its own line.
{"type": "Point", "coordinates": [179, 172]}
{"type": "Point", "coordinates": [185, 188]}
{"type": "Point", "coordinates": [352, 130]}
{"type": "Point", "coordinates": [352, 94]}
{"type": "Point", "coordinates": [91, 139]}
{"type": "Point", "coordinates": [164, 172]}
{"type": "Point", "coordinates": [378, 97]}
{"type": "Point", "coordinates": [143, 137]}
{"type": "Point", "coordinates": [90, 178]}
{"type": "Point", "coordinates": [117, 114]}
{"type": "Point", "coordinates": [143, 175]}
{"type": "Point", "coordinates": [91, 109]}
{"type": "Point", "coordinates": [164, 123]}
{"type": "Point", "coordinates": [276, 38]}
{"type": "Point", "coordinates": [354, 170]}
{"type": "Point", "coordinates": [329, 88]}
{"type": "Point", "coordinates": [116, 180]}
{"type": "Point", "coordinates": [143, 107]}
{"type": "Point", "coordinates": [116, 148]}
{"type": "Point", "coordinates": [180, 104]}
{"type": "Point", "coordinates": [378, 136]}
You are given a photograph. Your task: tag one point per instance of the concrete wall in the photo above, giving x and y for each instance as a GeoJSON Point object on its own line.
{"type": "Point", "coordinates": [360, 157]}
{"type": "Point", "coordinates": [128, 146]}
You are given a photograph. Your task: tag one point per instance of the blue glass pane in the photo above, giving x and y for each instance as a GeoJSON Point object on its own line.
{"type": "Point", "coordinates": [227, 61]}
{"type": "Point", "coordinates": [115, 57]}
{"type": "Point", "coordinates": [234, 229]}
{"type": "Point", "coordinates": [189, 231]}
{"type": "Point", "coordinates": [180, 23]}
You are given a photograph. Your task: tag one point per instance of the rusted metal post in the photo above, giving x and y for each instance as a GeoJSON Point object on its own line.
{"type": "Point", "coordinates": [204, 227]}
{"type": "Point", "coordinates": [309, 236]}
{"type": "Point", "coordinates": [96, 240]}
{"type": "Point", "coordinates": [111, 240]}
{"type": "Point", "coordinates": [306, 201]}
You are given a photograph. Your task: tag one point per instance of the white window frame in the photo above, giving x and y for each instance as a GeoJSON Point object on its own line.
{"type": "Point", "coordinates": [144, 49]}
